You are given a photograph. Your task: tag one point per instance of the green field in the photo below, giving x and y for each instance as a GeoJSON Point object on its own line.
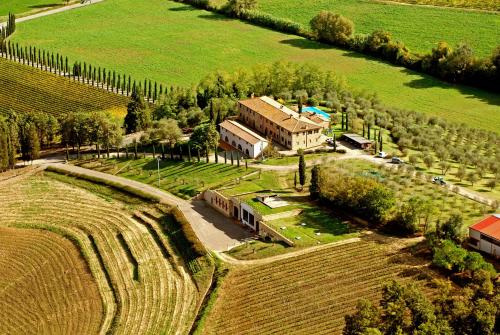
{"type": "Point", "coordinates": [420, 28]}
{"type": "Point", "coordinates": [183, 179]}
{"type": "Point", "coordinates": [25, 7]}
{"type": "Point", "coordinates": [176, 44]}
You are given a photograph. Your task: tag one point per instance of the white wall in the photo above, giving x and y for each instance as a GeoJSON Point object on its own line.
{"type": "Point", "coordinates": [489, 248]}
{"type": "Point", "coordinates": [253, 150]}
{"type": "Point", "coordinates": [250, 210]}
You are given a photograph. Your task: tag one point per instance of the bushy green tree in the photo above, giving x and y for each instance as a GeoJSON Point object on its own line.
{"type": "Point", "coordinates": [332, 28]}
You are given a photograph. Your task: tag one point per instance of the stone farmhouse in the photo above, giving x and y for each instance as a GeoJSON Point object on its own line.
{"type": "Point", "coordinates": [264, 119]}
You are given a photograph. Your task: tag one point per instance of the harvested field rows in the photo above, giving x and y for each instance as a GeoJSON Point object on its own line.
{"type": "Point", "coordinates": [308, 294]}
{"type": "Point", "coordinates": [143, 293]}
{"type": "Point", "coordinates": [45, 285]}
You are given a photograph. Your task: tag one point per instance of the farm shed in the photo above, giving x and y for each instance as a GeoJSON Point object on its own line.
{"type": "Point", "coordinates": [485, 235]}
{"type": "Point", "coordinates": [357, 140]}
{"type": "Point", "coordinates": [240, 137]}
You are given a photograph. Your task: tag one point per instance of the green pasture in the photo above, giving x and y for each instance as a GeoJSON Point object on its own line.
{"type": "Point", "coordinates": [420, 28]}
{"type": "Point", "coordinates": [178, 45]}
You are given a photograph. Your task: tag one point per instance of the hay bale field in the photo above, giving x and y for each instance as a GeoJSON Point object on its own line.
{"type": "Point", "coordinates": [311, 293]}
{"type": "Point", "coordinates": [143, 290]}
{"type": "Point", "coordinates": [46, 286]}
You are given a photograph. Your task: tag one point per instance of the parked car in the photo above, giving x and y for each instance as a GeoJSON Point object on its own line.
{"type": "Point", "coordinates": [396, 160]}
{"type": "Point", "coordinates": [438, 180]}
{"type": "Point", "coordinates": [382, 154]}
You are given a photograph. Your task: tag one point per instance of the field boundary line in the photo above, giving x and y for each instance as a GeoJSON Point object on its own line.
{"type": "Point", "coordinates": [53, 11]}
{"type": "Point", "coordinates": [231, 260]}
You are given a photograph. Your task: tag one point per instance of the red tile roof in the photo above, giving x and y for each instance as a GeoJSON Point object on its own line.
{"type": "Point", "coordinates": [285, 117]}
{"type": "Point", "coordinates": [489, 226]}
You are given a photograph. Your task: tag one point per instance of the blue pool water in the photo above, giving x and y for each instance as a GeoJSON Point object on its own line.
{"type": "Point", "coordinates": [317, 111]}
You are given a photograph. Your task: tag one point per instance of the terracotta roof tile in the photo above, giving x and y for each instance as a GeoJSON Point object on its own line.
{"type": "Point", "coordinates": [283, 117]}
{"type": "Point", "coordinates": [489, 226]}
{"type": "Point", "coordinates": [242, 132]}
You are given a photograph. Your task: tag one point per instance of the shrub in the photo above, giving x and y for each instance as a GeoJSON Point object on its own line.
{"type": "Point", "coordinates": [194, 243]}
{"type": "Point", "coordinates": [269, 21]}
{"type": "Point", "coordinates": [332, 28]}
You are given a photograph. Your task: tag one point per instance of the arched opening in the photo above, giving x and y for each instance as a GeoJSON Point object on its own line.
{"type": "Point", "coordinates": [226, 139]}
{"type": "Point", "coordinates": [233, 143]}
{"type": "Point", "coordinates": [239, 147]}
{"type": "Point", "coordinates": [247, 152]}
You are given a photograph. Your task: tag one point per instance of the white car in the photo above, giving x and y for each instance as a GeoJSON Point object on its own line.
{"type": "Point", "coordinates": [382, 154]}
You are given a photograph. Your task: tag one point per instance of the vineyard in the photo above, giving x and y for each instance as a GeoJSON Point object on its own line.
{"type": "Point", "coordinates": [26, 89]}
{"type": "Point", "coordinates": [144, 286]}
{"type": "Point", "coordinates": [32, 263]}
{"type": "Point", "coordinates": [311, 293]}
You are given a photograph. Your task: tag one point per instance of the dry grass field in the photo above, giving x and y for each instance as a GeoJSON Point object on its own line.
{"type": "Point", "coordinates": [311, 293]}
{"type": "Point", "coordinates": [143, 287]}
{"type": "Point", "coordinates": [45, 285]}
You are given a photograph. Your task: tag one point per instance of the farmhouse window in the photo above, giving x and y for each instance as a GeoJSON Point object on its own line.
{"type": "Point", "coordinates": [245, 215]}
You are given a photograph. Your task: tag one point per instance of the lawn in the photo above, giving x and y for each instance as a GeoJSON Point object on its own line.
{"type": "Point", "coordinates": [420, 28]}
{"type": "Point", "coordinates": [183, 179]}
{"type": "Point", "coordinates": [26, 7]}
{"type": "Point", "coordinates": [313, 226]}
{"type": "Point", "coordinates": [178, 45]}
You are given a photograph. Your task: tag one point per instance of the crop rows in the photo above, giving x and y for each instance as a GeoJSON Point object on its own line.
{"type": "Point", "coordinates": [142, 291]}
{"type": "Point", "coordinates": [26, 89]}
{"type": "Point", "coordinates": [45, 286]}
{"type": "Point", "coordinates": [306, 294]}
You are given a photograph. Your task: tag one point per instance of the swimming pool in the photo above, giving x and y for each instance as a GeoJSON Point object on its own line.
{"type": "Point", "coordinates": [317, 111]}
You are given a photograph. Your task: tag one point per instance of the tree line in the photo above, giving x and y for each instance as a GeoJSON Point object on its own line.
{"type": "Point", "coordinates": [455, 65]}
{"type": "Point", "coordinates": [27, 133]}
{"type": "Point", "coordinates": [9, 28]}
{"type": "Point", "coordinates": [89, 74]}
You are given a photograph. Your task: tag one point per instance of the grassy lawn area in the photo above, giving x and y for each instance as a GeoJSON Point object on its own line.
{"type": "Point", "coordinates": [211, 42]}
{"type": "Point", "coordinates": [27, 7]}
{"type": "Point", "coordinates": [420, 28]}
{"type": "Point", "coordinates": [183, 179]}
{"type": "Point", "coordinates": [445, 201]}
{"type": "Point", "coordinates": [263, 180]}
{"type": "Point", "coordinates": [313, 226]}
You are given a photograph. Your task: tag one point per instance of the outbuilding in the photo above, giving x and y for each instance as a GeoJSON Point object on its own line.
{"type": "Point", "coordinates": [357, 140]}
{"type": "Point", "coordinates": [485, 235]}
{"type": "Point", "coordinates": [242, 138]}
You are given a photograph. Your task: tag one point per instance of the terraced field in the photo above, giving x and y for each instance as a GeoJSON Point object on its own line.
{"type": "Point", "coordinates": [311, 293]}
{"type": "Point", "coordinates": [45, 285]}
{"type": "Point", "coordinates": [26, 89]}
{"type": "Point", "coordinates": [143, 287]}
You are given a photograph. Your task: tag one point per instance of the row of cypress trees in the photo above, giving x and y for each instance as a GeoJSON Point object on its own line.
{"type": "Point", "coordinates": [9, 28]}
{"type": "Point", "coordinates": [86, 73]}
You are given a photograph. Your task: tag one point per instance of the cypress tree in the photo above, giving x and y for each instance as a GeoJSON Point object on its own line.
{"type": "Point", "coordinates": [216, 154]}
{"type": "Point", "coordinates": [145, 88]}
{"type": "Point", "coordinates": [161, 89]}
{"type": "Point", "coordinates": [189, 152]}
{"type": "Point", "coordinates": [67, 67]}
{"type": "Point", "coordinates": [123, 84]}
{"type": "Point", "coordinates": [155, 95]}
{"type": "Point", "coordinates": [104, 78]}
{"type": "Point", "coordinates": [302, 170]}
{"type": "Point", "coordinates": [342, 121]}
{"type": "Point", "coordinates": [314, 187]}
{"type": "Point", "coordinates": [334, 143]}
{"type": "Point", "coordinates": [99, 76]}
{"type": "Point", "coordinates": [128, 86]}
{"type": "Point", "coordinates": [118, 85]}
{"type": "Point", "coordinates": [149, 90]}
{"type": "Point", "coordinates": [113, 82]}
{"type": "Point", "coordinates": [94, 76]}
